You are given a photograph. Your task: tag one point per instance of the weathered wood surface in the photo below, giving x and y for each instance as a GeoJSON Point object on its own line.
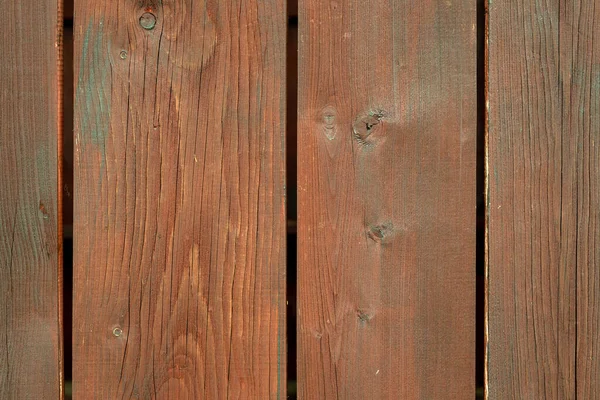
{"type": "Point", "coordinates": [386, 182]}
{"type": "Point", "coordinates": [179, 199]}
{"type": "Point", "coordinates": [30, 248]}
{"type": "Point", "coordinates": [543, 200]}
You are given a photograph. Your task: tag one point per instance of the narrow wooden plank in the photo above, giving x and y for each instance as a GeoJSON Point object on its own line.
{"type": "Point", "coordinates": [531, 251]}
{"type": "Point", "coordinates": [544, 119]}
{"type": "Point", "coordinates": [580, 73]}
{"type": "Point", "coordinates": [386, 182]}
{"type": "Point", "coordinates": [30, 245]}
{"type": "Point", "coordinates": [179, 235]}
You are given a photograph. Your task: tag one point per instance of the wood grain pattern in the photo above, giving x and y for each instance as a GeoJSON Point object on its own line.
{"type": "Point", "coordinates": [179, 199]}
{"type": "Point", "coordinates": [543, 200]}
{"type": "Point", "coordinates": [30, 246]}
{"type": "Point", "coordinates": [580, 73]}
{"type": "Point", "coordinates": [386, 182]}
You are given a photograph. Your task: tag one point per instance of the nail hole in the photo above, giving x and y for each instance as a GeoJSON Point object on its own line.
{"type": "Point", "coordinates": [123, 54]}
{"type": "Point", "coordinates": [117, 331]}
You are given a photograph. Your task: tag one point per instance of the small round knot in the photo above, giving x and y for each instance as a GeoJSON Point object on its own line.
{"type": "Point", "coordinates": [117, 331]}
{"type": "Point", "coordinates": [148, 21]}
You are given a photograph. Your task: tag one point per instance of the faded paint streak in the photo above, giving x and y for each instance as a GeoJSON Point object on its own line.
{"type": "Point", "coordinates": [92, 100]}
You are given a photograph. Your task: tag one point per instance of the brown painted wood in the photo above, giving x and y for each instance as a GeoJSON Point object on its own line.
{"type": "Point", "coordinates": [30, 244]}
{"type": "Point", "coordinates": [179, 228]}
{"type": "Point", "coordinates": [386, 182]}
{"type": "Point", "coordinates": [543, 200]}
{"type": "Point", "coordinates": [580, 72]}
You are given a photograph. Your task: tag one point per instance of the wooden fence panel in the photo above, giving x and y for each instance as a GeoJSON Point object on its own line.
{"type": "Point", "coordinates": [543, 200]}
{"type": "Point", "coordinates": [30, 238]}
{"type": "Point", "coordinates": [386, 212]}
{"type": "Point", "coordinates": [179, 228]}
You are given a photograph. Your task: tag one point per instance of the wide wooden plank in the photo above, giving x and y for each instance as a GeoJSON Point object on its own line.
{"type": "Point", "coordinates": [179, 220]}
{"type": "Point", "coordinates": [30, 244]}
{"type": "Point", "coordinates": [386, 212]}
{"type": "Point", "coordinates": [543, 200]}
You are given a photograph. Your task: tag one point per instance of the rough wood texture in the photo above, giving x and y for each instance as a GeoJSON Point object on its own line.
{"type": "Point", "coordinates": [30, 248]}
{"type": "Point", "coordinates": [543, 200]}
{"type": "Point", "coordinates": [179, 199]}
{"type": "Point", "coordinates": [386, 182]}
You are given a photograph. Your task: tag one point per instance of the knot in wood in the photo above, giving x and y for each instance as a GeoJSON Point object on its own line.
{"type": "Point", "coordinates": [364, 316]}
{"type": "Point", "coordinates": [328, 122]}
{"type": "Point", "coordinates": [366, 124]}
{"type": "Point", "coordinates": [378, 233]}
{"type": "Point", "coordinates": [148, 21]}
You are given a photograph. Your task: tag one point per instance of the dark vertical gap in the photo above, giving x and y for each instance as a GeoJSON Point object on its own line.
{"type": "Point", "coordinates": [67, 194]}
{"type": "Point", "coordinates": [291, 186]}
{"type": "Point", "coordinates": [481, 203]}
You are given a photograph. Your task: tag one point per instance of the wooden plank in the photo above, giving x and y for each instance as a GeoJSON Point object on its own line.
{"type": "Point", "coordinates": [386, 182]}
{"type": "Point", "coordinates": [179, 235]}
{"type": "Point", "coordinates": [580, 73]}
{"type": "Point", "coordinates": [543, 200]}
{"type": "Point", "coordinates": [30, 249]}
